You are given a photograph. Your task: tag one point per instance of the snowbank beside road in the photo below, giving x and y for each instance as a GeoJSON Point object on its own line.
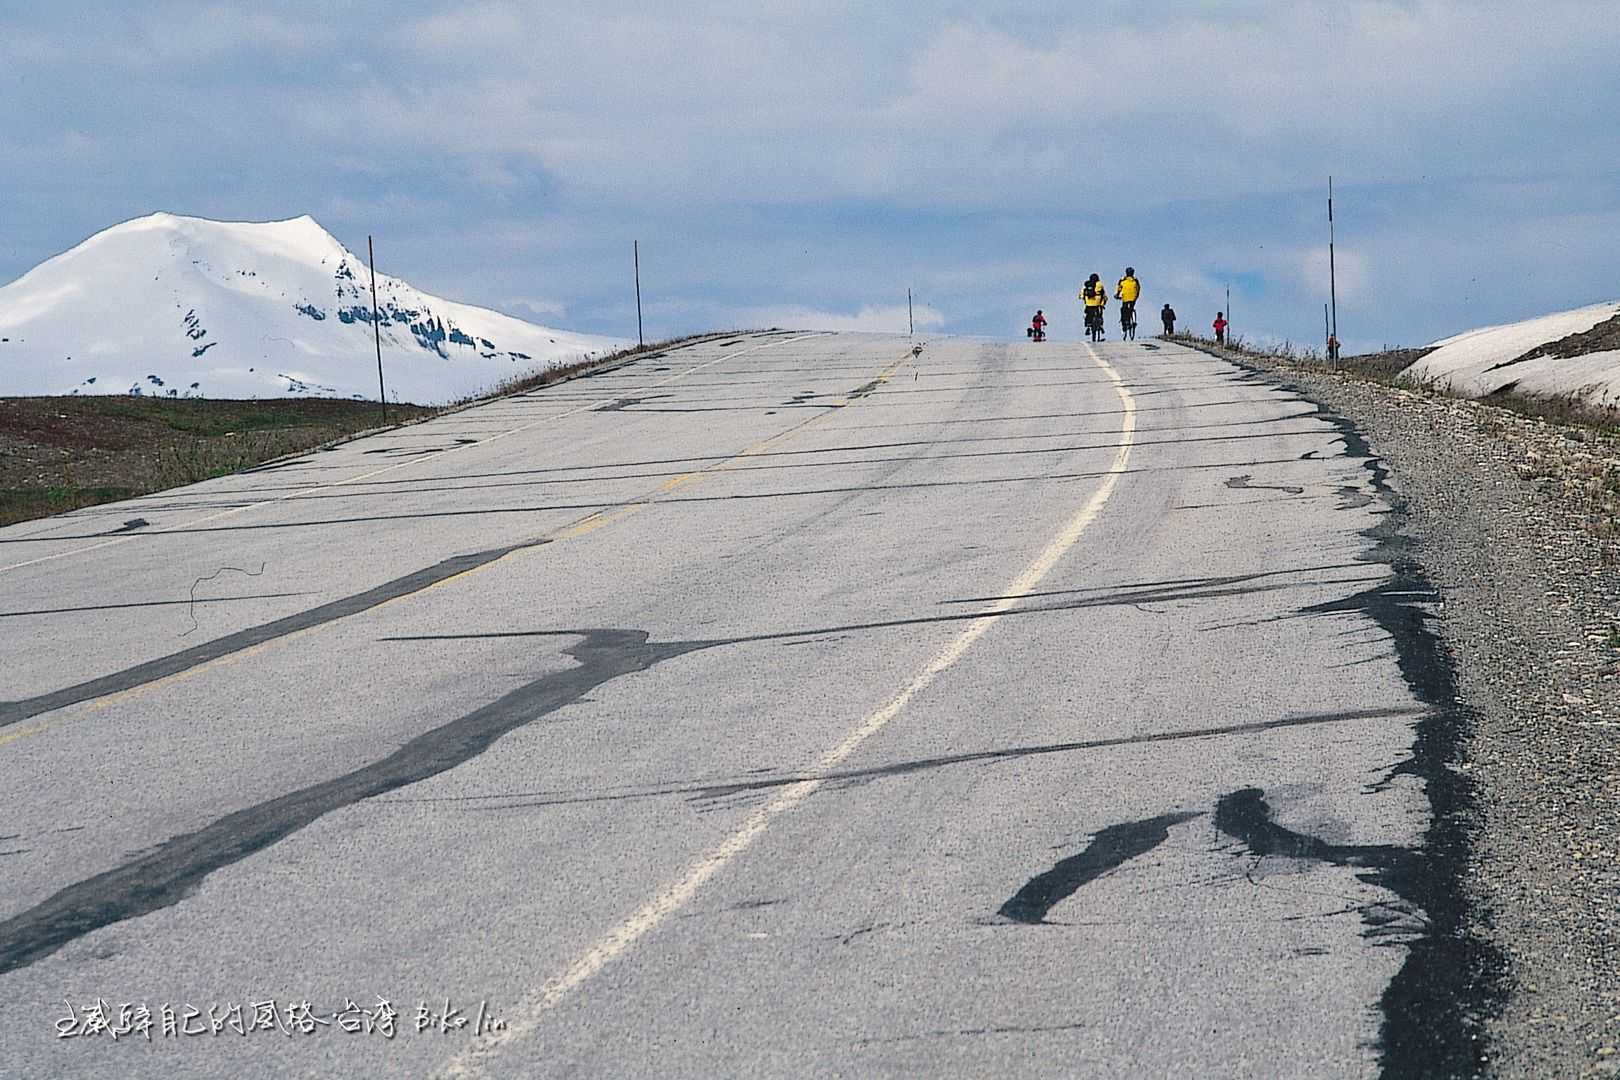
{"type": "Point", "coordinates": [1570, 353]}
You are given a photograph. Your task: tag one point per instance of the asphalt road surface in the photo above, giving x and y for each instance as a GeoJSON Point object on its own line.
{"type": "Point", "coordinates": [780, 705]}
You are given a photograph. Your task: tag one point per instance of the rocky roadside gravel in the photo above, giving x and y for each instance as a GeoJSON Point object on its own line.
{"type": "Point", "coordinates": [1516, 524]}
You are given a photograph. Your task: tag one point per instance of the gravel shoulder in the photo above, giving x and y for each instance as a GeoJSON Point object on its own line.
{"type": "Point", "coordinates": [1514, 521]}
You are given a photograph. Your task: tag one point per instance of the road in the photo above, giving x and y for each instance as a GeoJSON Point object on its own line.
{"type": "Point", "coordinates": [778, 705]}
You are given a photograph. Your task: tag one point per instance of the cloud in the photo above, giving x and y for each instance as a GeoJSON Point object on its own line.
{"type": "Point", "coordinates": [1349, 269]}
{"type": "Point", "coordinates": [860, 101]}
{"type": "Point", "coordinates": [541, 310]}
{"type": "Point", "coordinates": [814, 160]}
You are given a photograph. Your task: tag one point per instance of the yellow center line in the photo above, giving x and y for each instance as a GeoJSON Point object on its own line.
{"type": "Point", "coordinates": [527, 1018]}
{"type": "Point", "coordinates": [12, 736]}
{"type": "Point", "coordinates": [313, 488]}
{"type": "Point", "coordinates": [589, 523]}
{"type": "Point", "coordinates": [595, 520]}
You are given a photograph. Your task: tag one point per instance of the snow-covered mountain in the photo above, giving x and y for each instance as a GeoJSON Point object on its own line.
{"type": "Point", "coordinates": [1565, 354]}
{"type": "Point", "coordinates": [183, 307]}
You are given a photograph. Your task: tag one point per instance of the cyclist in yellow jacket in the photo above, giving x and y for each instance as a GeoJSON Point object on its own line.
{"type": "Point", "coordinates": [1126, 293]}
{"type": "Point", "coordinates": [1095, 295]}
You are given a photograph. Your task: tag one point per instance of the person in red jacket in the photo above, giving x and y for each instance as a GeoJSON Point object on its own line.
{"type": "Point", "coordinates": [1220, 328]}
{"type": "Point", "coordinates": [1037, 326]}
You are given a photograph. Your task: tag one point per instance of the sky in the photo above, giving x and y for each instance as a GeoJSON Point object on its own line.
{"type": "Point", "coordinates": [805, 164]}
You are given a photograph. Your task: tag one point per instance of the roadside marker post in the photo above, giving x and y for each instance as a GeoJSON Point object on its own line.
{"type": "Point", "coordinates": [635, 251]}
{"type": "Point", "coordinates": [376, 327]}
{"type": "Point", "coordinates": [1333, 278]}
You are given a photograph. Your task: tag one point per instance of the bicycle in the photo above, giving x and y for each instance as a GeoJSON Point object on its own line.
{"type": "Point", "coordinates": [1094, 323]}
{"type": "Point", "coordinates": [1127, 320]}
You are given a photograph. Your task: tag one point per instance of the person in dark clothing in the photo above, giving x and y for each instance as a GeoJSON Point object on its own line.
{"type": "Point", "coordinates": [1167, 315]}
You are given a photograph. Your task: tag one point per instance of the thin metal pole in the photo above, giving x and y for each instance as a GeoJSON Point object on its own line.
{"type": "Point", "coordinates": [376, 327]}
{"type": "Point", "coordinates": [641, 339]}
{"type": "Point", "coordinates": [1229, 316]}
{"type": "Point", "coordinates": [1327, 334]}
{"type": "Point", "coordinates": [911, 326]}
{"type": "Point", "coordinates": [1333, 277]}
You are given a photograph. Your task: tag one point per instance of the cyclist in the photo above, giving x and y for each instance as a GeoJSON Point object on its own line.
{"type": "Point", "coordinates": [1096, 299]}
{"type": "Point", "coordinates": [1126, 293]}
{"type": "Point", "coordinates": [1037, 326]}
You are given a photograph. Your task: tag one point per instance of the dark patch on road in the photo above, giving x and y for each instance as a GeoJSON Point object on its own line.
{"type": "Point", "coordinates": [621, 404]}
{"type": "Point", "coordinates": [465, 442]}
{"type": "Point", "coordinates": [801, 637]}
{"type": "Point", "coordinates": [584, 474]}
{"type": "Point", "coordinates": [1183, 588]}
{"type": "Point", "coordinates": [1452, 981]}
{"type": "Point", "coordinates": [1227, 506]}
{"type": "Point", "coordinates": [975, 391]}
{"type": "Point", "coordinates": [659, 410]}
{"type": "Point", "coordinates": [923, 485]}
{"type": "Point", "coordinates": [170, 872]}
{"type": "Point", "coordinates": [1242, 483]}
{"type": "Point", "coordinates": [1246, 817]}
{"type": "Point", "coordinates": [845, 939]}
{"type": "Point", "coordinates": [803, 397]}
{"type": "Point", "coordinates": [1176, 389]}
{"type": "Point", "coordinates": [1109, 849]}
{"type": "Point", "coordinates": [754, 905]}
{"type": "Point", "coordinates": [947, 1033]}
{"type": "Point", "coordinates": [176, 497]}
{"type": "Point", "coordinates": [1353, 498]}
{"type": "Point", "coordinates": [844, 777]}
{"type": "Point", "coordinates": [12, 712]}
{"type": "Point", "coordinates": [129, 526]}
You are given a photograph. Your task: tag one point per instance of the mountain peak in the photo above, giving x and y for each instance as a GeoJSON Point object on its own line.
{"type": "Point", "coordinates": [179, 306]}
{"type": "Point", "coordinates": [299, 238]}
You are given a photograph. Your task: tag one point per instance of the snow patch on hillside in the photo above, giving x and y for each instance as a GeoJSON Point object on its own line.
{"type": "Point", "coordinates": [181, 307]}
{"type": "Point", "coordinates": [1481, 362]}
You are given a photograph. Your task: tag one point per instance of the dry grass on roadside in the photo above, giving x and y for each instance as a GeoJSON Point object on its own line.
{"type": "Point", "coordinates": [64, 453]}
